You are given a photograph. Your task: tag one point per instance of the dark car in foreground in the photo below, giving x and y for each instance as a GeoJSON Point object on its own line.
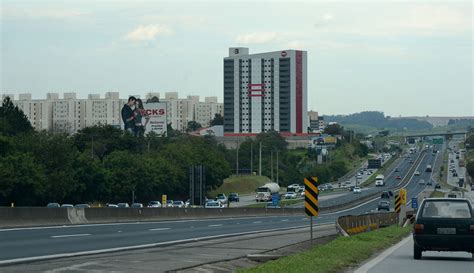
{"type": "Point", "coordinates": [443, 224]}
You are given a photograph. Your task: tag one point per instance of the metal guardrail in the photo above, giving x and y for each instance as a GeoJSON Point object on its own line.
{"type": "Point", "coordinates": [350, 225]}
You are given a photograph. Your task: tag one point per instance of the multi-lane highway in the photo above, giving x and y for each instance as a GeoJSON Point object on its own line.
{"type": "Point", "coordinates": [25, 243]}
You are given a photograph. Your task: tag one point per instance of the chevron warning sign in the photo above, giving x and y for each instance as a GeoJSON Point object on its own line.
{"type": "Point", "coordinates": [398, 203]}
{"type": "Point", "coordinates": [311, 196]}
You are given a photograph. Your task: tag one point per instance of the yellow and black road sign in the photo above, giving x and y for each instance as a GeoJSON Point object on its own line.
{"type": "Point", "coordinates": [164, 199]}
{"type": "Point", "coordinates": [311, 196]}
{"type": "Point", "coordinates": [403, 196]}
{"type": "Point", "coordinates": [398, 203]}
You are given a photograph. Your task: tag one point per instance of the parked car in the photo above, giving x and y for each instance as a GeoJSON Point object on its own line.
{"type": "Point", "coordinates": [384, 205]}
{"type": "Point", "coordinates": [169, 203]}
{"type": "Point", "coordinates": [443, 224]}
{"type": "Point", "coordinates": [112, 206]}
{"type": "Point", "coordinates": [53, 205]}
{"type": "Point", "coordinates": [221, 198]}
{"type": "Point", "coordinates": [357, 190]}
{"type": "Point", "coordinates": [178, 204]}
{"type": "Point", "coordinates": [123, 205]}
{"type": "Point", "coordinates": [154, 204]}
{"type": "Point", "coordinates": [234, 197]}
{"type": "Point", "coordinates": [213, 205]}
{"type": "Point", "coordinates": [83, 206]}
{"type": "Point", "coordinates": [290, 195]}
{"type": "Point", "coordinates": [137, 205]}
{"type": "Point", "coordinates": [67, 206]}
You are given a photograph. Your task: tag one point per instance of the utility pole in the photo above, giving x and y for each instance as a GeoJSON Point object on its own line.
{"type": "Point", "coordinates": [277, 166]}
{"type": "Point", "coordinates": [251, 158]}
{"type": "Point", "coordinates": [271, 164]}
{"type": "Point", "coordinates": [260, 161]}
{"type": "Point", "coordinates": [237, 160]}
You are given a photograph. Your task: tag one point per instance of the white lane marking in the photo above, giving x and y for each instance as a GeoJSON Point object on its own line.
{"type": "Point", "coordinates": [100, 251]}
{"type": "Point", "coordinates": [370, 264]}
{"type": "Point", "coordinates": [219, 225]}
{"type": "Point", "coordinates": [138, 223]}
{"type": "Point", "coordinates": [285, 220]}
{"type": "Point", "coordinates": [158, 229]}
{"type": "Point", "coordinates": [257, 222]}
{"type": "Point", "coordinates": [70, 235]}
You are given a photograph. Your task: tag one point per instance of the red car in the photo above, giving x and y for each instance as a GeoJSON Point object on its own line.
{"type": "Point", "coordinates": [398, 177]}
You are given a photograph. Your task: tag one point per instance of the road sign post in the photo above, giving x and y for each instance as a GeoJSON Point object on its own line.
{"type": "Point", "coordinates": [311, 200]}
{"type": "Point", "coordinates": [414, 203]}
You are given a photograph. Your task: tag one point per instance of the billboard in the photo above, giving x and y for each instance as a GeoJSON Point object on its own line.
{"type": "Point", "coordinates": [323, 140]}
{"type": "Point", "coordinates": [156, 113]}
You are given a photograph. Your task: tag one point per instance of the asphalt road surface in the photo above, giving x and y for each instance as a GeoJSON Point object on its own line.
{"type": "Point", "coordinates": [399, 258]}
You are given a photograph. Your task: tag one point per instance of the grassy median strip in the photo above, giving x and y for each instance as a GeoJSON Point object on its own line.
{"type": "Point", "coordinates": [436, 194]}
{"type": "Point", "coordinates": [341, 253]}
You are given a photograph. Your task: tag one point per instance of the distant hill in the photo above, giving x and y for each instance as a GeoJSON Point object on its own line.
{"type": "Point", "coordinates": [378, 120]}
{"type": "Point", "coordinates": [444, 121]}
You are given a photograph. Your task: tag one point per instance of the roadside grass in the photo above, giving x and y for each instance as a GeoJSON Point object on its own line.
{"type": "Point", "coordinates": [337, 255]}
{"type": "Point", "coordinates": [240, 184]}
{"type": "Point", "coordinates": [436, 194]}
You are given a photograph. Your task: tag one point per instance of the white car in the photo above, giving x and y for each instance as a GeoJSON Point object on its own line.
{"type": "Point", "coordinates": [178, 204]}
{"type": "Point", "coordinates": [421, 182]}
{"type": "Point", "coordinates": [213, 205]}
{"type": "Point", "coordinates": [357, 190]}
{"type": "Point", "coordinates": [417, 173]}
{"type": "Point", "coordinates": [154, 204]}
{"type": "Point", "coordinates": [290, 195]}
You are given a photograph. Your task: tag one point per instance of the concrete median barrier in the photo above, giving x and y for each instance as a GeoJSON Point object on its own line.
{"type": "Point", "coordinates": [14, 217]}
{"type": "Point", "coordinates": [23, 217]}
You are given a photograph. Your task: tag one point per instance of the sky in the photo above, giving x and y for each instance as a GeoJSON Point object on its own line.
{"type": "Point", "coordinates": [409, 58]}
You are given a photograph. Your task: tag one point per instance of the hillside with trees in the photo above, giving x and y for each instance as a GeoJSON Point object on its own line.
{"type": "Point", "coordinates": [378, 121]}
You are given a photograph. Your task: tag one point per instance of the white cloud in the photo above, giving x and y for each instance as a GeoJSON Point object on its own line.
{"type": "Point", "coordinates": [147, 33]}
{"type": "Point", "coordinates": [257, 38]}
{"type": "Point", "coordinates": [327, 17]}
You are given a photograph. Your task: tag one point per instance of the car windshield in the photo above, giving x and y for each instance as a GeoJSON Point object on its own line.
{"type": "Point", "coordinates": [446, 209]}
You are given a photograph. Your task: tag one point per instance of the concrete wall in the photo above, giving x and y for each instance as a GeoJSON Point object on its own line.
{"type": "Point", "coordinates": [21, 217]}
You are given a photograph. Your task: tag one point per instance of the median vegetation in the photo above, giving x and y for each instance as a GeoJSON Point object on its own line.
{"type": "Point", "coordinates": [338, 254]}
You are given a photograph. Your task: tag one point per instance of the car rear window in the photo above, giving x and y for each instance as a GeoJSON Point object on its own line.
{"type": "Point", "coordinates": [446, 209]}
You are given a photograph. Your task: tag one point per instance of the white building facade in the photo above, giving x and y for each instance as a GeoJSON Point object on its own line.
{"type": "Point", "coordinates": [266, 91]}
{"type": "Point", "coordinates": [69, 114]}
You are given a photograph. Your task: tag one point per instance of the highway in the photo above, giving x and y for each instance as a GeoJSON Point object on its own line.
{"type": "Point", "coordinates": [25, 243]}
{"type": "Point", "coordinates": [399, 258]}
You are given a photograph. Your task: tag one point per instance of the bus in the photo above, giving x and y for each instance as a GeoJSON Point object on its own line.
{"type": "Point", "coordinates": [428, 168]}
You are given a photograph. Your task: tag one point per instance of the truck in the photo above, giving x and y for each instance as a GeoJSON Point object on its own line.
{"type": "Point", "coordinates": [264, 193]}
{"type": "Point", "coordinates": [380, 180]}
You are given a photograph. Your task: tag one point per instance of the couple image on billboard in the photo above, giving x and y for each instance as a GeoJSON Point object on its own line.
{"type": "Point", "coordinates": [133, 117]}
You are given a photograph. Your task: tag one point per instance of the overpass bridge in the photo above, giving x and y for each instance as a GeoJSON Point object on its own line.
{"type": "Point", "coordinates": [445, 135]}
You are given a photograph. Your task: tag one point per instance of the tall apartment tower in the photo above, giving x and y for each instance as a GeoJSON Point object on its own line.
{"type": "Point", "coordinates": [265, 91]}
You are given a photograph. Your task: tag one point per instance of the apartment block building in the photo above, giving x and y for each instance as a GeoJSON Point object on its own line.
{"type": "Point", "coordinates": [265, 91]}
{"type": "Point", "coordinates": [70, 114]}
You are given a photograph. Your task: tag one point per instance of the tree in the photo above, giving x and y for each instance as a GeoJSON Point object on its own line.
{"type": "Point", "coordinates": [470, 168]}
{"type": "Point", "coordinates": [12, 119]}
{"type": "Point", "coordinates": [217, 120]}
{"type": "Point", "coordinates": [153, 99]}
{"type": "Point", "coordinates": [22, 180]}
{"type": "Point", "coordinates": [334, 130]}
{"type": "Point", "coordinates": [193, 126]}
